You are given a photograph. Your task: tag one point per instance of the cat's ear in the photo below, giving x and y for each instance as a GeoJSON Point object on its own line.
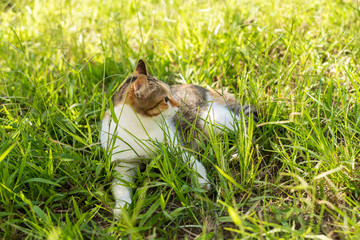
{"type": "Point", "coordinates": [140, 68]}
{"type": "Point", "coordinates": [140, 85]}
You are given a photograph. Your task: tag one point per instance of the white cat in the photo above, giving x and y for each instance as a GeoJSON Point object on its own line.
{"type": "Point", "coordinates": [143, 107]}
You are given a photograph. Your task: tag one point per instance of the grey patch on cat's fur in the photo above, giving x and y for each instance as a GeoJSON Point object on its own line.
{"type": "Point", "coordinates": [193, 103]}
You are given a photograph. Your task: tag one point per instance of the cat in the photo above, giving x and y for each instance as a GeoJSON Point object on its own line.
{"type": "Point", "coordinates": [143, 105]}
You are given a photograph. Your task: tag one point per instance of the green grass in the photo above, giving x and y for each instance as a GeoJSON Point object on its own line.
{"type": "Point", "coordinates": [296, 61]}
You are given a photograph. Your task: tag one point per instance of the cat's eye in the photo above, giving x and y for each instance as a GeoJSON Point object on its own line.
{"type": "Point", "coordinates": [166, 99]}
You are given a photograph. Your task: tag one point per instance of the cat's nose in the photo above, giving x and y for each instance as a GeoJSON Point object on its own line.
{"type": "Point", "coordinates": [174, 103]}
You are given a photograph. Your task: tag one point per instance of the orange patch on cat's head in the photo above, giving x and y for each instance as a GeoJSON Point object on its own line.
{"type": "Point", "coordinates": [147, 95]}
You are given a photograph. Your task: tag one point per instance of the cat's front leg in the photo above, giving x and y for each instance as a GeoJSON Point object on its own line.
{"type": "Point", "coordinates": [199, 168]}
{"type": "Point", "coordinates": [123, 177]}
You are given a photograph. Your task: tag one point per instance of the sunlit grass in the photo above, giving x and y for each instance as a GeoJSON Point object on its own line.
{"type": "Point", "coordinates": [296, 175]}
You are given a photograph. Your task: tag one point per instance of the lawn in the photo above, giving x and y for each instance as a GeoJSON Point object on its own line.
{"type": "Point", "coordinates": [296, 175]}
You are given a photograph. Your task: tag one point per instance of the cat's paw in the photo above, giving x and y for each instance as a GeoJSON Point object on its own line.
{"type": "Point", "coordinates": [119, 206]}
{"type": "Point", "coordinates": [117, 213]}
{"type": "Point", "coordinates": [204, 183]}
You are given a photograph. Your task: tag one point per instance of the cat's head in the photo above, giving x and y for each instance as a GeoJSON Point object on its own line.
{"type": "Point", "coordinates": [148, 96]}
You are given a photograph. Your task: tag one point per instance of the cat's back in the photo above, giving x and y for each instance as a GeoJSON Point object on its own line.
{"type": "Point", "coordinates": [190, 96]}
{"type": "Point", "coordinates": [199, 99]}
{"type": "Point", "coordinates": [199, 105]}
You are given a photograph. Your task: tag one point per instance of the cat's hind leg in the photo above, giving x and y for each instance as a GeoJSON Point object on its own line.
{"type": "Point", "coordinates": [219, 116]}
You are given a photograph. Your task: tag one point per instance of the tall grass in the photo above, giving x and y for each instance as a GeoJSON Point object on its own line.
{"type": "Point", "coordinates": [295, 177]}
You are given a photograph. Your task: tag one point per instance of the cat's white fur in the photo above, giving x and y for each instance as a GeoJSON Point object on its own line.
{"type": "Point", "coordinates": [132, 130]}
{"type": "Point", "coordinates": [130, 139]}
